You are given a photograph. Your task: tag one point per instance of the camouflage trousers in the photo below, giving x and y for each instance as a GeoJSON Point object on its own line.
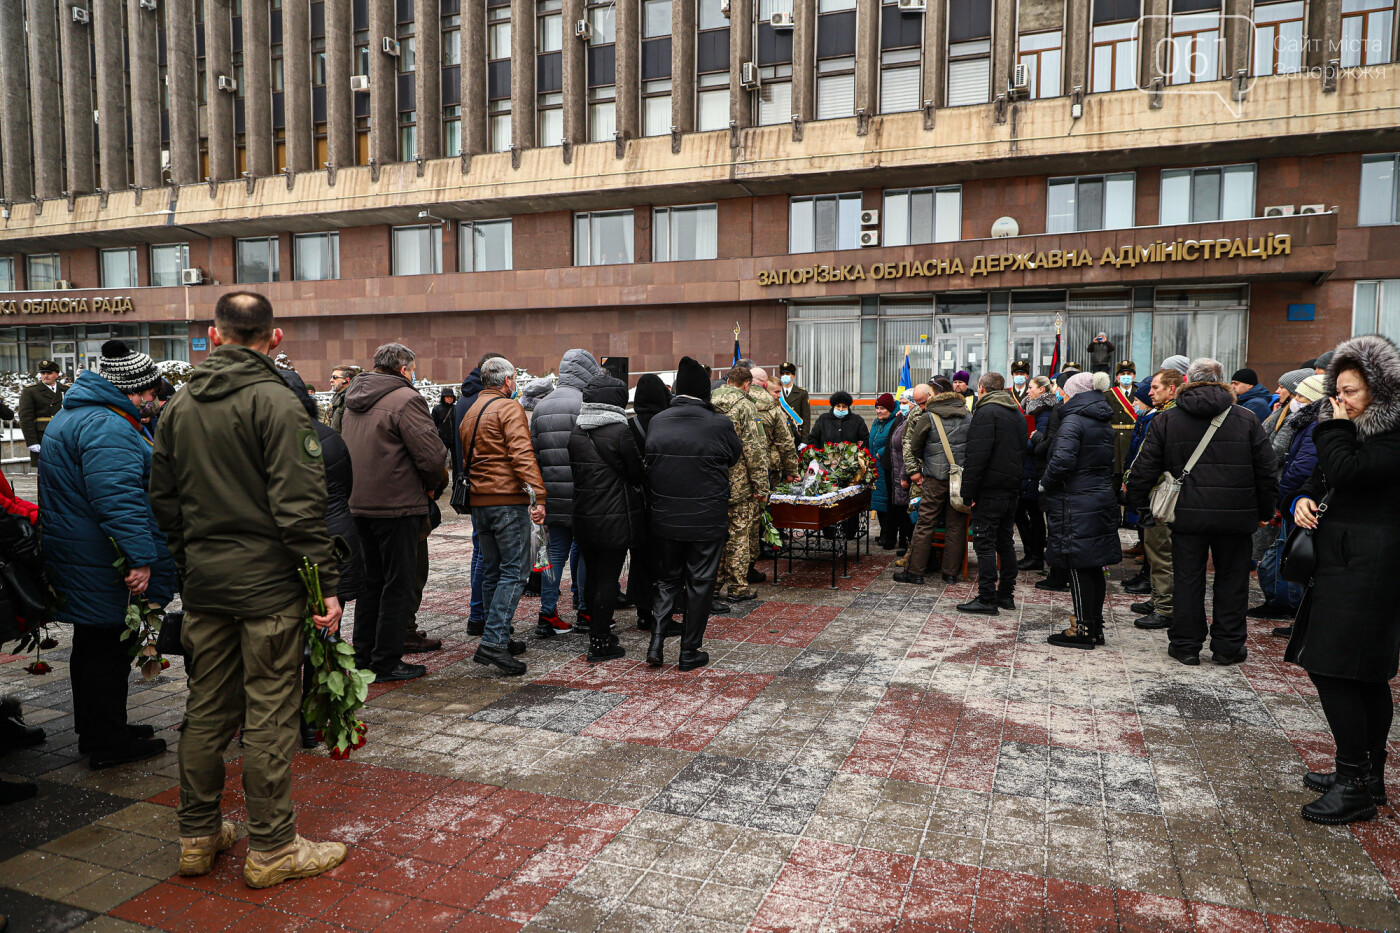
{"type": "Point", "coordinates": [734, 565]}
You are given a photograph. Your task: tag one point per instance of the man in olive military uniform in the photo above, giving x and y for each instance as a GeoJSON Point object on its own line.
{"type": "Point", "coordinates": [1020, 381]}
{"type": "Point", "coordinates": [1120, 399]}
{"type": "Point", "coordinates": [38, 403]}
{"type": "Point", "coordinates": [748, 480]}
{"type": "Point", "coordinates": [782, 456]}
{"type": "Point", "coordinates": [239, 488]}
{"type": "Point", "coordinates": [794, 402]}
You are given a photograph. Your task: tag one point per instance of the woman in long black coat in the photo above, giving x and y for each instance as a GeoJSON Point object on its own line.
{"type": "Point", "coordinates": [1347, 633]}
{"type": "Point", "coordinates": [1081, 510]}
{"type": "Point", "coordinates": [609, 503]}
{"type": "Point", "coordinates": [839, 424]}
{"type": "Point", "coordinates": [651, 397]}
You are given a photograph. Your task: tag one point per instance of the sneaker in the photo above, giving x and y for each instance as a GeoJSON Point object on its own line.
{"type": "Point", "coordinates": [583, 625]}
{"type": "Point", "coordinates": [978, 607]}
{"type": "Point", "coordinates": [300, 858]}
{"type": "Point", "coordinates": [197, 852]}
{"type": "Point", "coordinates": [553, 623]}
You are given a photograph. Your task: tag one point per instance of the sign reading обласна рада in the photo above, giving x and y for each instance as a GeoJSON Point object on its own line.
{"type": "Point", "coordinates": [117, 305]}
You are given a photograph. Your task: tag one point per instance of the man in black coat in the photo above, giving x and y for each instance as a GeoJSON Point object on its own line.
{"type": "Point", "coordinates": [690, 448]}
{"type": "Point", "coordinates": [991, 481]}
{"type": "Point", "coordinates": [1230, 493]}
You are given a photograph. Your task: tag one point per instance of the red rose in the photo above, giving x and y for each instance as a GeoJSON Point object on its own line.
{"type": "Point", "coordinates": [340, 755]}
{"type": "Point", "coordinates": [39, 667]}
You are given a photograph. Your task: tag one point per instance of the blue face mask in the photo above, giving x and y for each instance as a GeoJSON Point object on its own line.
{"type": "Point", "coordinates": [904, 407]}
{"type": "Point", "coordinates": [1019, 379]}
{"type": "Point", "coordinates": [1125, 380]}
{"type": "Point", "coordinates": [839, 413]}
{"type": "Point", "coordinates": [786, 380]}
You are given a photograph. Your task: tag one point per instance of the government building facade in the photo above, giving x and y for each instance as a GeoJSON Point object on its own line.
{"type": "Point", "coordinates": [842, 181]}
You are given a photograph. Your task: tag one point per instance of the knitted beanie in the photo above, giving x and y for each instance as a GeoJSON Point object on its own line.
{"type": "Point", "coordinates": [1311, 389]}
{"type": "Point", "coordinates": [1294, 378]}
{"type": "Point", "coordinates": [129, 370]}
{"type": "Point", "coordinates": [1079, 382]}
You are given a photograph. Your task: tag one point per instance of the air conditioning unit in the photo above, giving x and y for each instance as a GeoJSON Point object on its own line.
{"type": "Point", "coordinates": [1279, 210]}
{"type": "Point", "coordinates": [870, 218]}
{"type": "Point", "coordinates": [1313, 209]}
{"type": "Point", "coordinates": [913, 6]}
{"type": "Point", "coordinates": [81, 16]}
{"type": "Point", "coordinates": [359, 82]}
{"type": "Point", "coordinates": [63, 285]}
{"type": "Point", "coordinates": [781, 19]}
{"type": "Point", "coordinates": [583, 29]}
{"type": "Point", "coordinates": [227, 83]}
{"type": "Point", "coordinates": [870, 238]}
{"type": "Point", "coordinates": [191, 276]}
{"type": "Point", "coordinates": [748, 76]}
{"type": "Point", "coordinates": [148, 4]}
{"type": "Point", "coordinates": [1021, 80]}
{"type": "Point", "coordinates": [390, 46]}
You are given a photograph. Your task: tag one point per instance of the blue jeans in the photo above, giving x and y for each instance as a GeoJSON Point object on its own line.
{"type": "Point", "coordinates": [478, 606]}
{"type": "Point", "coordinates": [562, 547]}
{"type": "Point", "coordinates": [1276, 589]}
{"type": "Point", "coordinates": [504, 531]}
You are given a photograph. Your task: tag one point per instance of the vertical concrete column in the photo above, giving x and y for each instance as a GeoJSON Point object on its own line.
{"type": "Point", "coordinates": [575, 75]}
{"type": "Point", "coordinates": [1154, 30]}
{"type": "Point", "coordinates": [218, 105]}
{"type": "Point", "coordinates": [804, 61]}
{"type": "Point", "coordinates": [427, 85]}
{"type": "Point", "coordinates": [1324, 32]}
{"type": "Point", "coordinates": [475, 128]}
{"type": "Point", "coordinates": [1078, 33]}
{"type": "Point", "coordinates": [935, 68]}
{"type": "Point", "coordinates": [257, 95]}
{"type": "Point", "coordinates": [112, 150]}
{"type": "Point", "coordinates": [868, 56]}
{"type": "Point", "coordinates": [44, 98]}
{"type": "Point", "coordinates": [683, 65]}
{"type": "Point", "coordinates": [298, 131]}
{"type": "Point", "coordinates": [340, 105]}
{"type": "Point", "coordinates": [522, 74]}
{"type": "Point", "coordinates": [142, 44]}
{"type": "Point", "coordinates": [182, 89]}
{"type": "Point", "coordinates": [629, 70]}
{"type": "Point", "coordinates": [1238, 37]}
{"type": "Point", "coordinates": [741, 27]}
{"type": "Point", "coordinates": [1003, 45]}
{"type": "Point", "coordinates": [383, 86]}
{"type": "Point", "coordinates": [15, 159]}
{"type": "Point", "coordinates": [76, 54]}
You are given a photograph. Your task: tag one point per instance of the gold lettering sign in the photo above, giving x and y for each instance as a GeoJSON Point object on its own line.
{"type": "Point", "coordinates": [1264, 247]}
{"type": "Point", "coordinates": [114, 305]}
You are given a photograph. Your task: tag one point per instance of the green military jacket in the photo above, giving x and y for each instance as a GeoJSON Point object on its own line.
{"type": "Point", "coordinates": [37, 406]}
{"type": "Point", "coordinates": [782, 450]}
{"type": "Point", "coordinates": [916, 430]}
{"type": "Point", "coordinates": [748, 477]}
{"type": "Point", "coordinates": [239, 487]}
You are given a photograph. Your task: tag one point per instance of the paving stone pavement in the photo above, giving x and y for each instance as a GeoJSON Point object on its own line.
{"type": "Point", "coordinates": [862, 758]}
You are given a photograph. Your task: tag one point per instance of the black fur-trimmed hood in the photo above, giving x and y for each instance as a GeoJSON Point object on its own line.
{"type": "Point", "coordinates": [1378, 359]}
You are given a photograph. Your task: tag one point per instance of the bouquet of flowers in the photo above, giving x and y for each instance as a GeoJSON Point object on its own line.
{"type": "Point", "coordinates": [847, 463]}
{"type": "Point", "coordinates": [816, 480]}
{"type": "Point", "coordinates": [143, 619]}
{"type": "Point", "coordinates": [340, 688]}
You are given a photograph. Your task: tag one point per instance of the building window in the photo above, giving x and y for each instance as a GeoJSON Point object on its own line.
{"type": "Point", "coordinates": [712, 102]}
{"type": "Point", "coordinates": [417, 250]}
{"type": "Point", "coordinates": [452, 130]}
{"type": "Point", "coordinates": [824, 222]}
{"type": "Point", "coordinates": [408, 136]}
{"type": "Point", "coordinates": [498, 35]}
{"type": "Point", "coordinates": [451, 40]}
{"type": "Point", "coordinates": [835, 6]}
{"type": "Point", "coordinates": [923, 215]}
{"type": "Point", "coordinates": [603, 19]}
{"type": "Point", "coordinates": [1195, 47]}
{"type": "Point", "coordinates": [1090, 202]}
{"type": "Point", "coordinates": [684, 233]}
{"type": "Point", "coordinates": [498, 52]}
{"type": "Point", "coordinates": [551, 28]}
{"type": "Point", "coordinates": [256, 260]}
{"type": "Point", "coordinates": [500, 125]}
{"type": "Point", "coordinates": [824, 339]}
{"type": "Point", "coordinates": [43, 271]}
{"type": "Point", "coordinates": [766, 9]}
{"type": "Point", "coordinates": [1040, 53]}
{"type": "Point", "coordinates": [969, 72]}
{"type": "Point", "coordinates": [1115, 57]}
{"type": "Point", "coordinates": [7, 273]}
{"type": "Point", "coordinates": [119, 267]}
{"type": "Point", "coordinates": [836, 87]}
{"type": "Point", "coordinates": [408, 49]}
{"type": "Point", "coordinates": [318, 65]}
{"type": "Point", "coordinates": [484, 246]}
{"type": "Point", "coordinates": [1200, 195]}
{"type": "Point", "coordinates": [656, 107]}
{"type": "Point", "coordinates": [775, 95]}
{"type": "Point", "coordinates": [1366, 26]}
{"type": "Point", "coordinates": [602, 113]}
{"type": "Point", "coordinates": [1379, 193]}
{"type": "Point", "coordinates": [315, 256]}
{"type": "Point", "coordinates": [551, 119]}
{"type": "Point", "coordinates": [656, 18]}
{"type": "Point", "coordinates": [900, 75]}
{"type": "Point", "coordinates": [1278, 38]}
{"type": "Point", "coordinates": [167, 262]}
{"type": "Point", "coordinates": [711, 14]}
{"type": "Point", "coordinates": [1376, 309]}
{"type": "Point", "coordinates": [603, 238]}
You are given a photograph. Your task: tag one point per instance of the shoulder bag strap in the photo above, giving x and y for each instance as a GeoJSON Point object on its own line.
{"type": "Point", "coordinates": [943, 439]}
{"type": "Point", "coordinates": [471, 448]}
{"type": "Point", "coordinates": [1215, 424]}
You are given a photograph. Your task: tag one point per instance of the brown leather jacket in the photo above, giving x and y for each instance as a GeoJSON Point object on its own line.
{"type": "Point", "coordinates": [503, 461]}
{"type": "Point", "coordinates": [398, 457]}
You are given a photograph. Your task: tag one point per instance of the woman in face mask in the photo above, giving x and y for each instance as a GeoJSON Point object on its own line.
{"type": "Point", "coordinates": [887, 418]}
{"type": "Point", "coordinates": [839, 424]}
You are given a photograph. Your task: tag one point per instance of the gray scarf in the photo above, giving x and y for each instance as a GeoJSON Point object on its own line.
{"type": "Point", "coordinates": [596, 414]}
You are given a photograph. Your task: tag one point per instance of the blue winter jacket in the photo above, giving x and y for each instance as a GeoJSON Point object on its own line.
{"type": "Point", "coordinates": [880, 432]}
{"type": "Point", "coordinates": [1297, 467]}
{"type": "Point", "coordinates": [94, 470]}
{"type": "Point", "coordinates": [1257, 400]}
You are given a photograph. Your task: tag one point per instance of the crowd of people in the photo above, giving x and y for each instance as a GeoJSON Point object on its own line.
{"type": "Point", "coordinates": [221, 492]}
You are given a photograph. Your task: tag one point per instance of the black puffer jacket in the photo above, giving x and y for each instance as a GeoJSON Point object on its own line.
{"type": "Point", "coordinates": [830, 429]}
{"type": "Point", "coordinates": [1234, 485]}
{"type": "Point", "coordinates": [471, 388]}
{"type": "Point", "coordinates": [651, 397]}
{"type": "Point", "coordinates": [996, 450]}
{"type": "Point", "coordinates": [690, 448]}
{"type": "Point", "coordinates": [609, 504]}
{"type": "Point", "coordinates": [1347, 625]}
{"type": "Point", "coordinates": [1081, 510]}
{"type": "Point", "coordinates": [550, 428]}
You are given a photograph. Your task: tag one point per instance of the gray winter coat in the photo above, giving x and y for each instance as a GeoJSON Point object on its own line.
{"type": "Point", "coordinates": [550, 426]}
{"type": "Point", "coordinates": [951, 408]}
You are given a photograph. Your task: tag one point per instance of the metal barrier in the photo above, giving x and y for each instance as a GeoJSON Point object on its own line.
{"type": "Point", "coordinates": [13, 450]}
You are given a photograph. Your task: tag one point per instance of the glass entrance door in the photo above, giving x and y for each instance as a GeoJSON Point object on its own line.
{"type": "Point", "coordinates": [65, 354]}
{"type": "Point", "coordinates": [961, 344]}
{"type": "Point", "coordinates": [1033, 340]}
{"type": "Point", "coordinates": [92, 352]}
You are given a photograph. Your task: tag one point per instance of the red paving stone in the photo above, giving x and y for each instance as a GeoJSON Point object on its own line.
{"type": "Point", "coordinates": [788, 625]}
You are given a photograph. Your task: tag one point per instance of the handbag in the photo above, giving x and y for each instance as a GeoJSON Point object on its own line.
{"type": "Point", "coordinates": [955, 472]}
{"type": "Point", "coordinates": [168, 640]}
{"type": "Point", "coordinates": [1299, 559]}
{"type": "Point", "coordinates": [1166, 493]}
{"type": "Point", "coordinates": [461, 501]}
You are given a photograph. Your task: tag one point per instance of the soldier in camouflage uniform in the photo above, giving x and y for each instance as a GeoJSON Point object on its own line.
{"type": "Point", "coordinates": [748, 480]}
{"type": "Point", "coordinates": [782, 456]}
